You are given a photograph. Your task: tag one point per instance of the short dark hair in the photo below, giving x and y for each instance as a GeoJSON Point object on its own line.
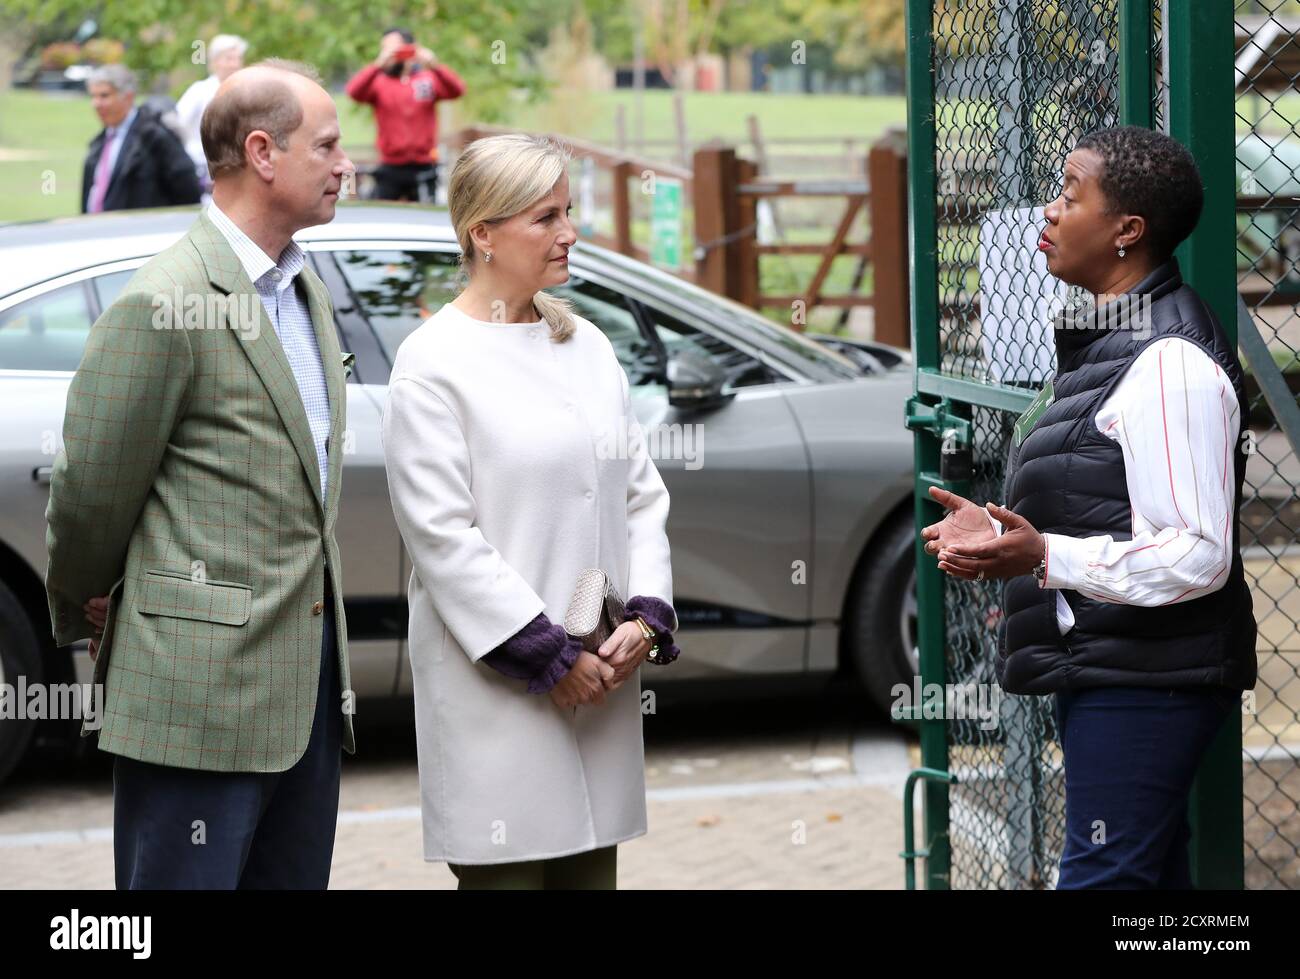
{"type": "Point", "coordinates": [1148, 173]}
{"type": "Point", "coordinates": [407, 36]}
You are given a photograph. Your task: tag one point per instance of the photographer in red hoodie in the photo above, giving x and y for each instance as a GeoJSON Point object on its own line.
{"type": "Point", "coordinates": [405, 84]}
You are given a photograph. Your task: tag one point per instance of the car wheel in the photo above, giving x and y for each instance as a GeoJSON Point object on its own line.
{"type": "Point", "coordinates": [881, 619]}
{"type": "Point", "coordinates": [20, 655]}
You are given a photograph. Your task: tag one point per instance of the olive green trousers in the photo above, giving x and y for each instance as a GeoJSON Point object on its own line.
{"type": "Point", "coordinates": [595, 870]}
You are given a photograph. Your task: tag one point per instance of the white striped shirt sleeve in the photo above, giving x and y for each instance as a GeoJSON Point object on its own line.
{"type": "Point", "coordinates": [1176, 419]}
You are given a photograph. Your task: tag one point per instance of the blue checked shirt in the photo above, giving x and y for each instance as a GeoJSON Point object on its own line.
{"type": "Point", "coordinates": [288, 312]}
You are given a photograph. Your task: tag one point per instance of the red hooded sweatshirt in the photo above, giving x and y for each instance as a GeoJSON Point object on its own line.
{"type": "Point", "coordinates": [406, 113]}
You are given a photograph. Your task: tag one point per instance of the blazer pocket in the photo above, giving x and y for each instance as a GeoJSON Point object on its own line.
{"type": "Point", "coordinates": [176, 594]}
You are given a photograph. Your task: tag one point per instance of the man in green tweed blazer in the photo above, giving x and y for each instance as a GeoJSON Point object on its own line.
{"type": "Point", "coordinates": [189, 492]}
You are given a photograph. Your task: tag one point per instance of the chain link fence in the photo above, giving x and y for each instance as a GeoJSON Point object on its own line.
{"type": "Point", "coordinates": [1016, 83]}
{"type": "Point", "coordinates": [1268, 248]}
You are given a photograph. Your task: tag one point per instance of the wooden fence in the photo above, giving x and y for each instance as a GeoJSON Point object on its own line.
{"type": "Point", "coordinates": [723, 190]}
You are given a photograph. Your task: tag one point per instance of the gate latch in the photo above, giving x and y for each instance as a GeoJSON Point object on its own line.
{"type": "Point", "coordinates": [956, 459]}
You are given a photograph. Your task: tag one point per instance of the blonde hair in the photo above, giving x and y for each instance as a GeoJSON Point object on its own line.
{"type": "Point", "coordinates": [497, 177]}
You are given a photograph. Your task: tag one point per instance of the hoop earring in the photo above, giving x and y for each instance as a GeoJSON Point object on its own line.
{"type": "Point", "coordinates": [1121, 251]}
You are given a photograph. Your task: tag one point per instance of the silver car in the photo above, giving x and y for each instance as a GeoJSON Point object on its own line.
{"type": "Point", "coordinates": [787, 461]}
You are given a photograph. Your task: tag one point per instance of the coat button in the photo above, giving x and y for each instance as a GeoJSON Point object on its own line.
{"type": "Point", "coordinates": [318, 608]}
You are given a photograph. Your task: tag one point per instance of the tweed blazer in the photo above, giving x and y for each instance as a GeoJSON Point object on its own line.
{"type": "Point", "coordinates": [187, 490]}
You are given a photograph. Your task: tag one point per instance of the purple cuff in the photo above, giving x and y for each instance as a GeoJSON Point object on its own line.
{"type": "Point", "coordinates": [659, 616]}
{"type": "Point", "coordinates": [541, 653]}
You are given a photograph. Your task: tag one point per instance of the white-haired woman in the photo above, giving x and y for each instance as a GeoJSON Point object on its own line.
{"type": "Point", "coordinates": [500, 409]}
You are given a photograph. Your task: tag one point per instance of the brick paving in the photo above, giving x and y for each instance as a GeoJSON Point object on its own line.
{"type": "Point", "coordinates": [795, 805]}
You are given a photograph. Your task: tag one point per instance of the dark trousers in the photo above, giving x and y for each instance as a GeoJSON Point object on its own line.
{"type": "Point", "coordinates": [180, 828]}
{"type": "Point", "coordinates": [594, 870]}
{"type": "Point", "coordinates": [405, 182]}
{"type": "Point", "coordinates": [1131, 754]}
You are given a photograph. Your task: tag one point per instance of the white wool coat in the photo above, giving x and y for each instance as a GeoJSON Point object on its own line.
{"type": "Point", "coordinates": [515, 462]}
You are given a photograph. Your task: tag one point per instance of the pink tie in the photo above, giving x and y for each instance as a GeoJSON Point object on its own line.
{"type": "Point", "coordinates": [100, 187]}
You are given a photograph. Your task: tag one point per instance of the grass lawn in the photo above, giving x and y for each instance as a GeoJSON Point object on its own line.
{"type": "Point", "coordinates": [722, 115]}
{"type": "Point", "coordinates": [43, 137]}
{"type": "Point", "coordinates": [43, 141]}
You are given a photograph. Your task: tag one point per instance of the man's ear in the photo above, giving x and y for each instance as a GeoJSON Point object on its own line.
{"type": "Point", "coordinates": [257, 147]}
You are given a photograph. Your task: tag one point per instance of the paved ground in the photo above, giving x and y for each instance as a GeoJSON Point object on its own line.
{"type": "Point", "coordinates": [800, 792]}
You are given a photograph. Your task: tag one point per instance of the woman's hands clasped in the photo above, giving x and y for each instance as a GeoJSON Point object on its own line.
{"type": "Point", "coordinates": [584, 683]}
{"type": "Point", "coordinates": [595, 674]}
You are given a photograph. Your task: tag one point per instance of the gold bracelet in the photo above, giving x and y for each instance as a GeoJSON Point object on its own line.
{"type": "Point", "coordinates": [647, 634]}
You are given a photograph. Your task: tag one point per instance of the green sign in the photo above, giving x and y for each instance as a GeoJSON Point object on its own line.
{"type": "Point", "coordinates": [666, 224]}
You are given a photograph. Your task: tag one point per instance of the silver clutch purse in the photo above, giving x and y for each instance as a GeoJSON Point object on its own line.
{"type": "Point", "coordinates": [594, 611]}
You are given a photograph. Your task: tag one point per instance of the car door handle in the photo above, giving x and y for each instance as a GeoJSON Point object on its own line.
{"type": "Point", "coordinates": [42, 474]}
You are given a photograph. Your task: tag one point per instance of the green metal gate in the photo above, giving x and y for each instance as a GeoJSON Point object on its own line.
{"type": "Point", "coordinates": [998, 93]}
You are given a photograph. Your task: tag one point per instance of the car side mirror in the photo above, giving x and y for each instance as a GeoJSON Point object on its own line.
{"type": "Point", "coordinates": [696, 382]}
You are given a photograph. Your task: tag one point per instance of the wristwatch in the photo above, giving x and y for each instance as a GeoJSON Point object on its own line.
{"type": "Point", "coordinates": [1040, 570]}
{"type": "Point", "coordinates": [648, 634]}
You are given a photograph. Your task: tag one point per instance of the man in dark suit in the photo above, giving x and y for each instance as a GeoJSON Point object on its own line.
{"type": "Point", "coordinates": [135, 160]}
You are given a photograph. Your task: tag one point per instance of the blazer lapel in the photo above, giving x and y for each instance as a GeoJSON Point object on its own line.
{"type": "Point", "coordinates": [263, 346]}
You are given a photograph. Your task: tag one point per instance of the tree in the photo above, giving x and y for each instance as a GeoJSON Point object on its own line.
{"type": "Point", "coordinates": [166, 39]}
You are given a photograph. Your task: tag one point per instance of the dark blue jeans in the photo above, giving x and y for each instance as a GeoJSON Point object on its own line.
{"type": "Point", "coordinates": [259, 829]}
{"type": "Point", "coordinates": [1131, 754]}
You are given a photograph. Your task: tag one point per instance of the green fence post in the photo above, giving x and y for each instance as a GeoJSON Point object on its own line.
{"type": "Point", "coordinates": [1135, 70]}
{"type": "Point", "coordinates": [1201, 116]}
{"type": "Point", "coordinates": [923, 248]}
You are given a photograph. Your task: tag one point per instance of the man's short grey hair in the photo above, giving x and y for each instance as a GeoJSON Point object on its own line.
{"type": "Point", "coordinates": [120, 77]}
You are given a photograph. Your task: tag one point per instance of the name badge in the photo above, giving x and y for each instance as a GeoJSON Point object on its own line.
{"type": "Point", "coordinates": [1026, 422]}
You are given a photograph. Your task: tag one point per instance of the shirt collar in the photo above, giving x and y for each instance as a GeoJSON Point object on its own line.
{"type": "Point", "coordinates": [120, 129]}
{"type": "Point", "coordinates": [124, 125]}
{"type": "Point", "coordinates": [257, 263]}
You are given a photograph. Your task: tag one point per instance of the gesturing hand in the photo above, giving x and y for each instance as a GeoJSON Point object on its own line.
{"type": "Point", "coordinates": [1017, 551]}
{"type": "Point", "coordinates": [584, 683]}
{"type": "Point", "coordinates": [964, 523]}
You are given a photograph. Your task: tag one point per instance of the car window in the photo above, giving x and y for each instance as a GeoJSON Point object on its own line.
{"type": "Point", "coordinates": [742, 369]}
{"type": "Point", "coordinates": [609, 311]}
{"type": "Point", "coordinates": [399, 290]}
{"type": "Point", "coordinates": [109, 287]}
{"type": "Point", "coordinates": [47, 332]}
{"type": "Point", "coordinates": [787, 345]}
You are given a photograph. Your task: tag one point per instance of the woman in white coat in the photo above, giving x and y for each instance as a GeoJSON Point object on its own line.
{"type": "Point", "coordinates": [502, 411]}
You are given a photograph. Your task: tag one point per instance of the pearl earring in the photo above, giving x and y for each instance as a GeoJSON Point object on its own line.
{"type": "Point", "coordinates": [487, 256]}
{"type": "Point", "coordinates": [1121, 251]}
